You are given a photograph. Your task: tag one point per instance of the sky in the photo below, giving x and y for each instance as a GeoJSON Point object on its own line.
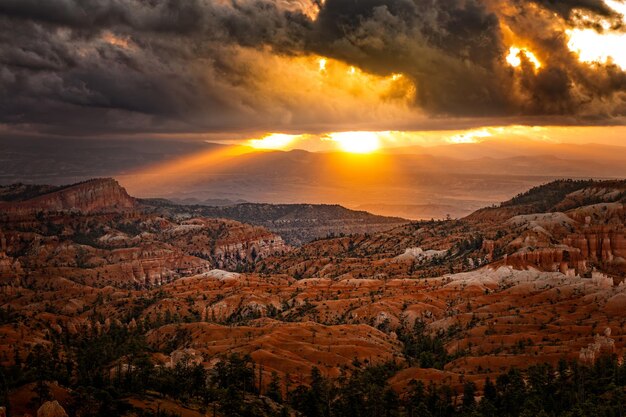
{"type": "Point", "coordinates": [276, 73]}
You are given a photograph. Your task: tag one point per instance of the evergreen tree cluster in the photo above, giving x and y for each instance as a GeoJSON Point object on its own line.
{"type": "Point", "coordinates": [104, 371]}
{"type": "Point", "coordinates": [570, 390]}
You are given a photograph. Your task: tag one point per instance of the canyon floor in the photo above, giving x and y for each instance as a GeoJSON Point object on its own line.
{"type": "Point", "coordinates": [128, 307]}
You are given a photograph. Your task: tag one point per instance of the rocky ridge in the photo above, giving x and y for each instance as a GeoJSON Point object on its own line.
{"type": "Point", "coordinates": [296, 223]}
{"type": "Point", "coordinates": [95, 233]}
{"type": "Point", "coordinates": [95, 195]}
{"type": "Point", "coordinates": [505, 287]}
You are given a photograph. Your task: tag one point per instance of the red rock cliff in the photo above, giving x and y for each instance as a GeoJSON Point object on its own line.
{"type": "Point", "coordinates": [96, 195]}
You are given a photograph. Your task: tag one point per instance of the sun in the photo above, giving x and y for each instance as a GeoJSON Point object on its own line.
{"type": "Point", "coordinates": [356, 142]}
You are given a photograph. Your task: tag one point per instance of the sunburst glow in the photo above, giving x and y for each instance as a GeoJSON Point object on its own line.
{"type": "Point", "coordinates": [601, 47]}
{"type": "Point", "coordinates": [356, 142]}
{"type": "Point", "coordinates": [592, 46]}
{"type": "Point", "coordinates": [322, 63]}
{"type": "Point", "coordinates": [272, 141]}
{"type": "Point", "coordinates": [472, 136]}
{"type": "Point", "coordinates": [514, 58]}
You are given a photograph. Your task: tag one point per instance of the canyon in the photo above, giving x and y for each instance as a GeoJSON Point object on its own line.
{"type": "Point", "coordinates": [537, 279]}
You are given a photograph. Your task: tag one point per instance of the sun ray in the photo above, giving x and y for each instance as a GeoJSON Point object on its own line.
{"type": "Point", "coordinates": [160, 176]}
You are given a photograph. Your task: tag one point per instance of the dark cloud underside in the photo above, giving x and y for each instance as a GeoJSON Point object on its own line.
{"type": "Point", "coordinates": [106, 66]}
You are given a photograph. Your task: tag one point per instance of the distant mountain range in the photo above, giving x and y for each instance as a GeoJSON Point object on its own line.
{"type": "Point", "coordinates": [295, 223]}
{"type": "Point", "coordinates": [410, 182]}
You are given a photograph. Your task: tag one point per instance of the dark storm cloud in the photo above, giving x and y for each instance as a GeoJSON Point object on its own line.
{"type": "Point", "coordinates": [163, 65]}
{"type": "Point", "coordinates": [169, 15]}
{"type": "Point", "coordinates": [566, 8]}
{"type": "Point", "coordinates": [177, 74]}
{"type": "Point", "coordinates": [454, 51]}
{"type": "Point", "coordinates": [451, 48]}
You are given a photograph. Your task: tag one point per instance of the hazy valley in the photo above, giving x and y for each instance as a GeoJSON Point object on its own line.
{"type": "Point", "coordinates": [414, 183]}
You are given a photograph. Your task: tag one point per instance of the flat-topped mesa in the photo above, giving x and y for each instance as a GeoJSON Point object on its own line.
{"type": "Point", "coordinates": [95, 195]}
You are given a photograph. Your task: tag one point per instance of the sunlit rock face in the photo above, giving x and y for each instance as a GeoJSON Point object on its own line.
{"type": "Point", "coordinates": [584, 240]}
{"type": "Point", "coordinates": [95, 232]}
{"type": "Point", "coordinates": [97, 195]}
{"type": "Point", "coordinates": [539, 286]}
{"type": "Point", "coordinates": [602, 345]}
{"type": "Point", "coordinates": [291, 325]}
